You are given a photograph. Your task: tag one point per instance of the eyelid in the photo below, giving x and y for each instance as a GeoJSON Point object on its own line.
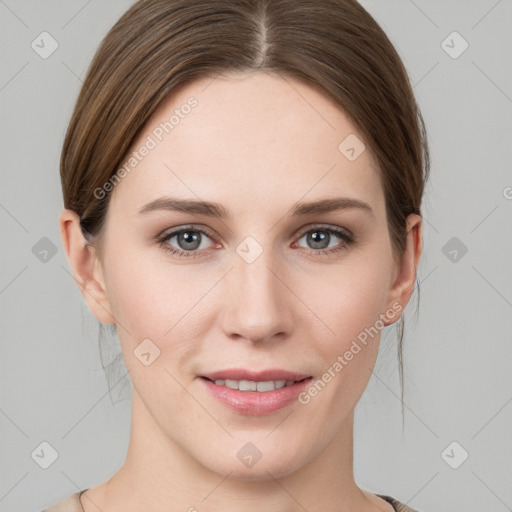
{"type": "Point", "coordinates": [328, 227]}
{"type": "Point", "coordinates": [192, 227]}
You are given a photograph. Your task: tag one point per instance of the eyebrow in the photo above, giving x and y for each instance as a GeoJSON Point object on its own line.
{"type": "Point", "coordinates": [216, 210]}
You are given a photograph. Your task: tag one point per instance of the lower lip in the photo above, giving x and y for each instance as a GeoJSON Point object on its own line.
{"type": "Point", "coordinates": [256, 403]}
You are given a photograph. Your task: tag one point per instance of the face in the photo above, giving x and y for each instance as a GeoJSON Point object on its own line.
{"type": "Point", "coordinates": [270, 285]}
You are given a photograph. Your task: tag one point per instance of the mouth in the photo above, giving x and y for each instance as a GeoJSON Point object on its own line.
{"type": "Point", "coordinates": [255, 393]}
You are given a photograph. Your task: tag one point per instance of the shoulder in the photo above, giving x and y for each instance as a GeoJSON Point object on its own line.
{"type": "Point", "coordinates": [70, 504]}
{"type": "Point", "coordinates": [397, 505]}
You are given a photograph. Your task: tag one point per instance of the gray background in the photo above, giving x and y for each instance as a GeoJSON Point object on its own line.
{"type": "Point", "coordinates": [457, 349]}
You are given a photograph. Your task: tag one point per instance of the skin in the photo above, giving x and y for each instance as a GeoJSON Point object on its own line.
{"type": "Point", "coordinates": [257, 144]}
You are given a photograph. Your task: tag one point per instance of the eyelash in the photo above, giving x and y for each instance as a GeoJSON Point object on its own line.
{"type": "Point", "coordinates": [346, 238]}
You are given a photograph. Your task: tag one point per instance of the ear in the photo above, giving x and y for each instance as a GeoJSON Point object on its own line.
{"type": "Point", "coordinates": [405, 276]}
{"type": "Point", "coordinates": [86, 266]}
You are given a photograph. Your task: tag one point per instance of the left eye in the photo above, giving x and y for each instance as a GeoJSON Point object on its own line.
{"type": "Point", "coordinates": [321, 238]}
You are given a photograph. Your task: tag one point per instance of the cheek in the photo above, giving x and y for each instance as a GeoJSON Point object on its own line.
{"type": "Point", "coordinates": [350, 302]}
{"type": "Point", "coordinates": [152, 302]}
{"type": "Point", "coordinates": [148, 292]}
{"type": "Point", "coordinates": [348, 298]}
{"type": "Point", "coordinates": [157, 300]}
{"type": "Point", "coordinates": [136, 295]}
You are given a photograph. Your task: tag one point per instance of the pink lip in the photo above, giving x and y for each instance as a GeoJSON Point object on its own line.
{"type": "Point", "coordinates": [256, 403]}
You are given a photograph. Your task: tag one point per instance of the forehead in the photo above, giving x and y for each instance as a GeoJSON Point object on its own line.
{"type": "Point", "coordinates": [247, 140]}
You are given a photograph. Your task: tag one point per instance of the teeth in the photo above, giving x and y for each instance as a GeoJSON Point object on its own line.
{"type": "Point", "coordinates": [249, 385]}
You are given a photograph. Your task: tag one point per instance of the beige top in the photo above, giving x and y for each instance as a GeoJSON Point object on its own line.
{"type": "Point", "coordinates": [72, 504]}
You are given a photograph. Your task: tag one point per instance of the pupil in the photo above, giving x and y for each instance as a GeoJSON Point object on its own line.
{"type": "Point", "coordinates": [188, 240]}
{"type": "Point", "coordinates": [317, 239]}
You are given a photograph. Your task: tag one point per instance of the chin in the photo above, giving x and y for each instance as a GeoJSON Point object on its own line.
{"type": "Point", "coordinates": [258, 473]}
{"type": "Point", "coordinates": [266, 468]}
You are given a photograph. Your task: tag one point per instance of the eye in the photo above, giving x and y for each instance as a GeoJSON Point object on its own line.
{"type": "Point", "coordinates": [326, 240]}
{"type": "Point", "coordinates": [189, 241]}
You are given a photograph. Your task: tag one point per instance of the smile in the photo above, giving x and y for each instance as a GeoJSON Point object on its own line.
{"type": "Point", "coordinates": [255, 397]}
{"type": "Point", "coordinates": [249, 385]}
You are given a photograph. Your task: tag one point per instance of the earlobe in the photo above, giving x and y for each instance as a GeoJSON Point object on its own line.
{"type": "Point", "coordinates": [403, 285]}
{"type": "Point", "coordinates": [85, 266]}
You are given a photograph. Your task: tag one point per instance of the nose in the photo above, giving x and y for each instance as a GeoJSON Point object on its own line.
{"type": "Point", "coordinates": [258, 304]}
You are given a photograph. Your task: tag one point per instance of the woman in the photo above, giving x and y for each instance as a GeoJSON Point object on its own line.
{"type": "Point", "coordinates": [242, 184]}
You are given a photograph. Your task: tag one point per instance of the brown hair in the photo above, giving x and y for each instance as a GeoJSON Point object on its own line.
{"type": "Point", "coordinates": [159, 45]}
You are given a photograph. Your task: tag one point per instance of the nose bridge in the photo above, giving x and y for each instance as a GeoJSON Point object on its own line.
{"type": "Point", "coordinates": [257, 307]}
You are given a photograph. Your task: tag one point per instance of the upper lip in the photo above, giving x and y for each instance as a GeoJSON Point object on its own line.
{"type": "Point", "coordinates": [261, 376]}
